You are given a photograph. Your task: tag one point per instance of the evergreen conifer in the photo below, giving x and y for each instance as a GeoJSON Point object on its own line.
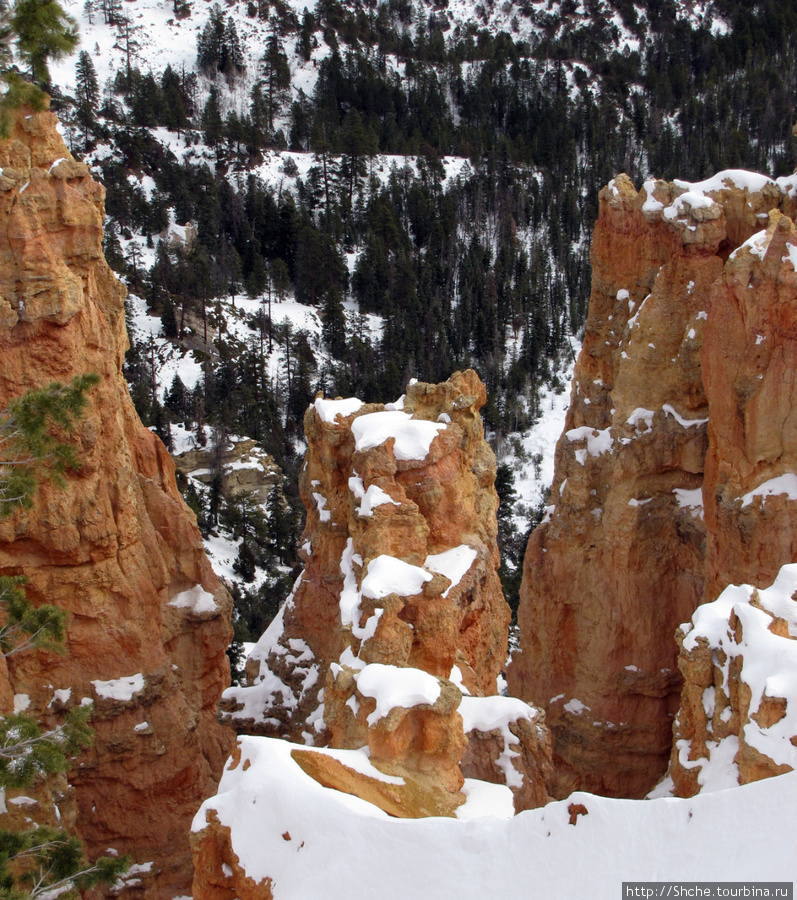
{"type": "Point", "coordinates": [87, 94]}
{"type": "Point", "coordinates": [44, 31]}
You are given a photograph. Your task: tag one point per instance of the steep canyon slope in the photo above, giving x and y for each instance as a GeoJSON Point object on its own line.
{"type": "Point", "coordinates": [117, 548]}
{"type": "Point", "coordinates": [669, 475]}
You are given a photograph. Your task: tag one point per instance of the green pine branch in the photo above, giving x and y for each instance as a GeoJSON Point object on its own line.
{"type": "Point", "coordinates": [41, 861]}
{"type": "Point", "coordinates": [50, 861]}
{"type": "Point", "coordinates": [27, 627]}
{"type": "Point", "coordinates": [32, 444]}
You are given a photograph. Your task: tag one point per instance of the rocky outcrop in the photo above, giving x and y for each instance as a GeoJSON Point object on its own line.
{"type": "Point", "coordinates": [401, 558]}
{"type": "Point", "coordinates": [736, 721]}
{"type": "Point", "coordinates": [389, 648]}
{"type": "Point", "coordinates": [244, 465]}
{"type": "Point", "coordinates": [738, 717]}
{"type": "Point", "coordinates": [665, 434]}
{"type": "Point", "coordinates": [749, 358]}
{"type": "Point", "coordinates": [116, 548]}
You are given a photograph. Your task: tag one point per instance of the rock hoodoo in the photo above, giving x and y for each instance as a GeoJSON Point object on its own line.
{"type": "Point", "coordinates": [389, 649]}
{"type": "Point", "coordinates": [401, 531]}
{"type": "Point", "coordinates": [671, 474]}
{"type": "Point", "coordinates": [117, 548]}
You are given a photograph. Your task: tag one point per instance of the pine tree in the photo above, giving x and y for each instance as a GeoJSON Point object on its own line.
{"type": "Point", "coordinates": [87, 93]}
{"type": "Point", "coordinates": [218, 46]}
{"type": "Point", "coordinates": [333, 323]}
{"type": "Point", "coordinates": [276, 76]}
{"type": "Point", "coordinates": [211, 41]}
{"type": "Point", "coordinates": [257, 279]}
{"type": "Point", "coordinates": [232, 61]}
{"type": "Point", "coordinates": [306, 40]}
{"type": "Point", "coordinates": [111, 11]}
{"type": "Point", "coordinates": [174, 114]}
{"type": "Point", "coordinates": [280, 530]}
{"type": "Point", "coordinates": [355, 147]}
{"type": "Point", "coordinates": [6, 36]}
{"type": "Point", "coordinates": [30, 445]}
{"type": "Point", "coordinates": [125, 40]}
{"type": "Point", "coordinates": [212, 123]}
{"type": "Point", "coordinates": [177, 396]}
{"type": "Point", "coordinates": [280, 278]}
{"type": "Point", "coordinates": [169, 319]}
{"type": "Point", "coordinates": [258, 118]}
{"type": "Point", "coordinates": [44, 31]}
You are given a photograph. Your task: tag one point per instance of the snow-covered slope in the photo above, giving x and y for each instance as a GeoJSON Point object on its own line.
{"type": "Point", "coordinates": [159, 38]}
{"type": "Point", "coordinates": [316, 843]}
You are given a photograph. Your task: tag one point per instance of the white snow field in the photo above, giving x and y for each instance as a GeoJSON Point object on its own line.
{"type": "Point", "coordinates": [343, 848]}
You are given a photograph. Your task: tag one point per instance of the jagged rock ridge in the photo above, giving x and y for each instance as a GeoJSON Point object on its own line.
{"type": "Point", "coordinates": [737, 721]}
{"type": "Point", "coordinates": [680, 407]}
{"type": "Point", "coordinates": [117, 548]}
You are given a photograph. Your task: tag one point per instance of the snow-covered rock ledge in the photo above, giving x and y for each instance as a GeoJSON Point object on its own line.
{"type": "Point", "coordinates": [738, 717]}
{"type": "Point", "coordinates": [272, 825]}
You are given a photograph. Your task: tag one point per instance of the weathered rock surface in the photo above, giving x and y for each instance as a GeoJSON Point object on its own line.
{"type": "Point", "coordinates": [425, 501]}
{"type": "Point", "coordinates": [396, 631]}
{"type": "Point", "coordinates": [508, 743]}
{"type": "Point", "coordinates": [728, 715]}
{"type": "Point", "coordinates": [117, 548]}
{"type": "Point", "coordinates": [245, 467]}
{"type": "Point", "coordinates": [738, 717]}
{"type": "Point", "coordinates": [749, 360]}
{"type": "Point", "coordinates": [655, 426]}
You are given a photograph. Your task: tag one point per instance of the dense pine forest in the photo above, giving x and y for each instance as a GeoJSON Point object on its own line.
{"type": "Point", "coordinates": [436, 188]}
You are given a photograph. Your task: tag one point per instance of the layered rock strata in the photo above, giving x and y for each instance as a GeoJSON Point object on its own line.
{"type": "Point", "coordinates": [732, 725]}
{"type": "Point", "coordinates": [390, 646]}
{"type": "Point", "coordinates": [116, 548]}
{"type": "Point", "coordinates": [680, 404]}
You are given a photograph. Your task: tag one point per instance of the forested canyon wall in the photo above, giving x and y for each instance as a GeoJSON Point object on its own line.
{"type": "Point", "coordinates": [116, 547]}
{"type": "Point", "coordinates": [669, 480]}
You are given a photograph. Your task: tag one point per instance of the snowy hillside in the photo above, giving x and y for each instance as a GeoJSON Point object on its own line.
{"type": "Point", "coordinates": [330, 197]}
{"type": "Point", "coordinates": [361, 195]}
{"type": "Point", "coordinates": [161, 38]}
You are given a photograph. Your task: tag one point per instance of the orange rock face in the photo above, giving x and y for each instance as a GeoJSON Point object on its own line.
{"type": "Point", "coordinates": [668, 415]}
{"type": "Point", "coordinates": [749, 363]}
{"type": "Point", "coordinates": [750, 371]}
{"type": "Point", "coordinates": [396, 631]}
{"type": "Point", "coordinates": [428, 492]}
{"type": "Point", "coordinates": [117, 548]}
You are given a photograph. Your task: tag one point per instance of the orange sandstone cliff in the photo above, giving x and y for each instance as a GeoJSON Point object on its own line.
{"type": "Point", "coordinates": [117, 548]}
{"type": "Point", "coordinates": [370, 494]}
{"type": "Point", "coordinates": [665, 490]}
{"type": "Point", "coordinates": [737, 720]}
